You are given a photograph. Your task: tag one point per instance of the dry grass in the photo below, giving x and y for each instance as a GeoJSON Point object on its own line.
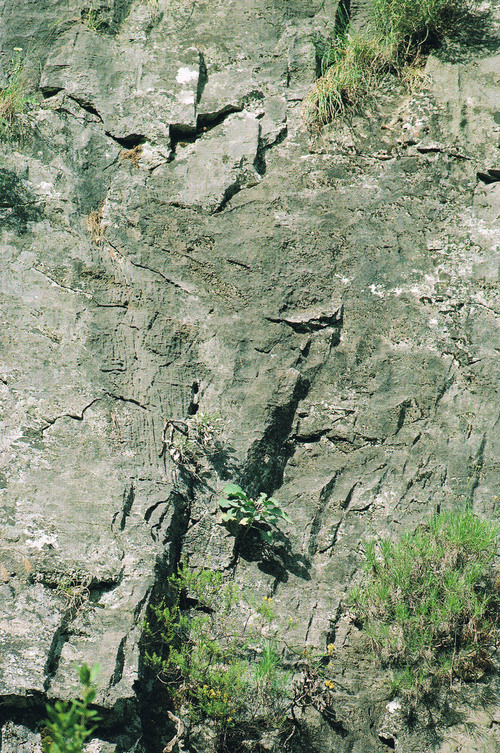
{"type": "Point", "coordinates": [132, 154]}
{"type": "Point", "coordinates": [94, 224]}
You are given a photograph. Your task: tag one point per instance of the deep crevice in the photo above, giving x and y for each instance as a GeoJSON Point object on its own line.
{"type": "Point", "coordinates": [59, 638]}
{"type": "Point", "coordinates": [50, 91]}
{"type": "Point", "coordinates": [268, 456]}
{"type": "Point", "coordinates": [128, 142]}
{"type": "Point", "coordinates": [128, 501]}
{"type": "Point", "coordinates": [119, 663]}
{"type": "Point", "coordinates": [324, 498]}
{"type": "Point", "coordinates": [85, 105]}
{"type": "Point", "coordinates": [314, 324]}
{"type": "Point", "coordinates": [202, 77]}
{"type": "Point", "coordinates": [182, 133]}
{"type": "Point", "coordinates": [260, 158]}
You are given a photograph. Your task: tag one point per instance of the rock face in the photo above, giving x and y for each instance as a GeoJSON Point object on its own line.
{"type": "Point", "coordinates": [174, 243]}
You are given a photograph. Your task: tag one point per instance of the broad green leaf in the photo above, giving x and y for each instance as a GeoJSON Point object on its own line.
{"type": "Point", "coordinates": [233, 490]}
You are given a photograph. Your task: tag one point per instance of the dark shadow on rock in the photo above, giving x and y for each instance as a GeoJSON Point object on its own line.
{"type": "Point", "coordinates": [17, 205]}
{"type": "Point", "coordinates": [276, 558]}
{"type": "Point", "coordinates": [472, 37]}
{"type": "Point", "coordinates": [223, 461]}
{"type": "Point", "coordinates": [267, 458]}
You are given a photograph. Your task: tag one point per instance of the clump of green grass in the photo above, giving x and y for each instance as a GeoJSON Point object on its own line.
{"type": "Point", "coordinates": [398, 34]}
{"type": "Point", "coordinates": [14, 97]}
{"type": "Point", "coordinates": [351, 67]}
{"type": "Point", "coordinates": [430, 600]}
{"type": "Point", "coordinates": [413, 25]}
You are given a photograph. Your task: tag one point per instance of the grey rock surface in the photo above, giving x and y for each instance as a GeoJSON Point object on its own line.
{"type": "Point", "coordinates": [175, 243]}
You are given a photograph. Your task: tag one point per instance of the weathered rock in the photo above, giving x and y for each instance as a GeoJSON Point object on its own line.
{"type": "Point", "coordinates": [174, 243]}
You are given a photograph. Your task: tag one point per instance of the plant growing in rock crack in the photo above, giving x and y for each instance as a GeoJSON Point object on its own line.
{"type": "Point", "coordinates": [259, 514]}
{"type": "Point", "coordinates": [213, 665]}
{"type": "Point", "coordinates": [188, 442]}
{"type": "Point", "coordinates": [70, 723]}
{"type": "Point", "coordinates": [74, 587]}
{"type": "Point", "coordinates": [430, 601]}
{"type": "Point", "coordinates": [397, 35]}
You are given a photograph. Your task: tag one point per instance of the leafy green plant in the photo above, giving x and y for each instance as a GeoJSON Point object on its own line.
{"type": "Point", "coordinates": [14, 97]}
{"type": "Point", "coordinates": [259, 514]}
{"type": "Point", "coordinates": [429, 602]}
{"type": "Point", "coordinates": [213, 667]}
{"type": "Point", "coordinates": [70, 723]}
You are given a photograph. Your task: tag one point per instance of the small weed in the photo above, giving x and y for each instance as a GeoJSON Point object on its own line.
{"type": "Point", "coordinates": [259, 514]}
{"type": "Point", "coordinates": [69, 724]}
{"type": "Point", "coordinates": [74, 588]}
{"type": "Point", "coordinates": [429, 603]}
{"type": "Point", "coordinates": [189, 442]}
{"type": "Point", "coordinates": [94, 224]}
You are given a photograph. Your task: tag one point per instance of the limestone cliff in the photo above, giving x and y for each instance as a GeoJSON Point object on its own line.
{"type": "Point", "coordinates": [175, 243]}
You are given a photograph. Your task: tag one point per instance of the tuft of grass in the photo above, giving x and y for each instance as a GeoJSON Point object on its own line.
{"type": "Point", "coordinates": [430, 601]}
{"type": "Point", "coordinates": [14, 97]}
{"type": "Point", "coordinates": [399, 33]}
{"type": "Point", "coordinates": [414, 25]}
{"type": "Point", "coordinates": [351, 66]}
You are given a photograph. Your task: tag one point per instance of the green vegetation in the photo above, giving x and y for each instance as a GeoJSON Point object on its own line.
{"type": "Point", "coordinates": [352, 64]}
{"type": "Point", "coordinates": [14, 97]}
{"type": "Point", "coordinates": [351, 68]}
{"type": "Point", "coordinates": [430, 601]}
{"type": "Point", "coordinates": [260, 514]}
{"type": "Point", "coordinates": [413, 25]}
{"type": "Point", "coordinates": [212, 666]}
{"type": "Point", "coordinates": [70, 723]}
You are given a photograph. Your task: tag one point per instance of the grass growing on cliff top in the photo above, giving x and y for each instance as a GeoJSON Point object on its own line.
{"type": "Point", "coordinates": [398, 33]}
{"type": "Point", "coordinates": [430, 601]}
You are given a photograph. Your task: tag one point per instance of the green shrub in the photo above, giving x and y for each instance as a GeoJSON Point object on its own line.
{"type": "Point", "coordinates": [429, 603]}
{"type": "Point", "coordinates": [70, 723]}
{"type": "Point", "coordinates": [212, 668]}
{"type": "Point", "coordinates": [259, 514]}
